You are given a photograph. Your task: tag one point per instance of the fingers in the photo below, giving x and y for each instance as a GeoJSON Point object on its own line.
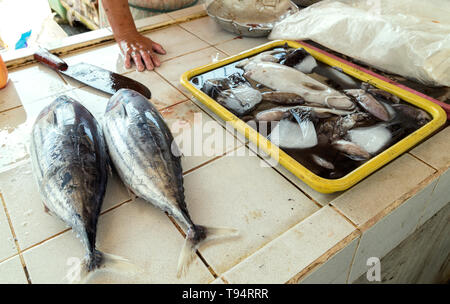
{"type": "Point", "coordinates": [128, 61]}
{"type": "Point", "coordinates": [142, 52]}
{"type": "Point", "coordinates": [155, 59]}
{"type": "Point", "coordinates": [137, 61]}
{"type": "Point", "coordinates": [146, 57]}
{"type": "Point", "coordinates": [126, 52]}
{"type": "Point", "coordinates": [158, 48]}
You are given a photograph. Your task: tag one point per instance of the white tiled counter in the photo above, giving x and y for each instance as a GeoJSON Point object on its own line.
{"type": "Point", "coordinates": [289, 233]}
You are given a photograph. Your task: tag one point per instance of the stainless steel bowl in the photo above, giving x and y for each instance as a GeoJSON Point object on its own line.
{"type": "Point", "coordinates": [216, 12]}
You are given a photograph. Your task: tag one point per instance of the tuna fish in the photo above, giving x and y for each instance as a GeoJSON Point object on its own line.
{"type": "Point", "coordinates": [70, 166]}
{"type": "Point", "coordinates": [145, 155]}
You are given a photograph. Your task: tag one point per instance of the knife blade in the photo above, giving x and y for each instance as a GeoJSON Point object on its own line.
{"type": "Point", "coordinates": [91, 75]}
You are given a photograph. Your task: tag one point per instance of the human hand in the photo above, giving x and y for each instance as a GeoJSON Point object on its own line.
{"type": "Point", "coordinates": [141, 50]}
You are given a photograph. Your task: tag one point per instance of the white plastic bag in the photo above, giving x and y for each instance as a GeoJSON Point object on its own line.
{"type": "Point", "coordinates": [406, 37]}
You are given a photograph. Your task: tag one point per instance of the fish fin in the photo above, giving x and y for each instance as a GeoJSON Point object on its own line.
{"type": "Point", "coordinates": [51, 118]}
{"type": "Point", "coordinates": [102, 262]}
{"type": "Point", "coordinates": [196, 237]}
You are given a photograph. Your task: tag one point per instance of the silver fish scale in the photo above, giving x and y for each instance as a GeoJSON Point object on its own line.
{"type": "Point", "coordinates": [139, 143]}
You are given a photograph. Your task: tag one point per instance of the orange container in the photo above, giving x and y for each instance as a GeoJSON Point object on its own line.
{"type": "Point", "coordinates": [3, 74]}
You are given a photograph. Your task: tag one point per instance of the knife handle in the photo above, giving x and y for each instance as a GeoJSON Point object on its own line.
{"type": "Point", "coordinates": [52, 61]}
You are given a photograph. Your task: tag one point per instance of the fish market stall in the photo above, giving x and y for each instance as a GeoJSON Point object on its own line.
{"type": "Point", "coordinates": [288, 232]}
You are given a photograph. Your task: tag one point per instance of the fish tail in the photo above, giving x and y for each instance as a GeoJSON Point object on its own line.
{"type": "Point", "coordinates": [101, 261]}
{"type": "Point", "coordinates": [196, 237]}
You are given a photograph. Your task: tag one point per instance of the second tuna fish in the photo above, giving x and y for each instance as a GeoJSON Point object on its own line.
{"type": "Point", "coordinates": [140, 146]}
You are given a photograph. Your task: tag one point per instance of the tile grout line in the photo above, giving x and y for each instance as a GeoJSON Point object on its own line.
{"type": "Point", "coordinates": [10, 257]}
{"type": "Point", "coordinates": [131, 200]}
{"type": "Point", "coordinates": [428, 202]}
{"type": "Point", "coordinates": [422, 161]}
{"type": "Point", "coordinates": [45, 240]}
{"type": "Point", "coordinates": [343, 215]}
{"type": "Point", "coordinates": [224, 280]}
{"type": "Point", "coordinates": [183, 234]}
{"type": "Point", "coordinates": [184, 54]}
{"type": "Point", "coordinates": [204, 40]}
{"type": "Point", "coordinates": [172, 105]}
{"type": "Point", "coordinates": [353, 260]}
{"type": "Point", "coordinates": [291, 182]}
{"type": "Point", "coordinates": [178, 227]}
{"type": "Point", "coordinates": [68, 229]}
{"type": "Point", "coordinates": [16, 241]}
{"type": "Point", "coordinates": [396, 203]}
{"type": "Point", "coordinates": [323, 258]}
{"type": "Point", "coordinates": [9, 109]}
{"type": "Point", "coordinates": [212, 160]}
{"type": "Point", "coordinates": [232, 131]}
{"type": "Point", "coordinates": [219, 50]}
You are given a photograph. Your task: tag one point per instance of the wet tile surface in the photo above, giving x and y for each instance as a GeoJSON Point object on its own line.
{"type": "Point", "coordinates": [198, 137]}
{"type": "Point", "coordinates": [240, 44]}
{"type": "Point", "coordinates": [208, 30]}
{"type": "Point", "coordinates": [163, 94]}
{"type": "Point", "coordinates": [283, 258]}
{"type": "Point", "coordinates": [8, 247]}
{"type": "Point", "coordinates": [12, 272]}
{"type": "Point", "coordinates": [173, 69]}
{"type": "Point", "coordinates": [180, 42]}
{"type": "Point", "coordinates": [29, 84]}
{"type": "Point", "coordinates": [108, 57]}
{"type": "Point", "coordinates": [31, 224]}
{"type": "Point", "coordinates": [150, 241]}
{"type": "Point", "coordinates": [321, 198]}
{"type": "Point", "coordinates": [366, 200]}
{"type": "Point", "coordinates": [219, 195]}
{"type": "Point", "coordinates": [14, 132]}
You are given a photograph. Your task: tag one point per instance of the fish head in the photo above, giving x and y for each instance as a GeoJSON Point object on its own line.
{"type": "Point", "coordinates": [125, 102]}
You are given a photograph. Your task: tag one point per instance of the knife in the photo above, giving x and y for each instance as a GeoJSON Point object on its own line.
{"type": "Point", "coordinates": [91, 75]}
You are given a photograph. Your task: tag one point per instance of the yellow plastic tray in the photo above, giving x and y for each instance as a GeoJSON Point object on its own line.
{"type": "Point", "coordinates": [314, 181]}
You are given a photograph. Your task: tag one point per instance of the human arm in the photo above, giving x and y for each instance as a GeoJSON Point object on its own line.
{"type": "Point", "coordinates": [133, 45]}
